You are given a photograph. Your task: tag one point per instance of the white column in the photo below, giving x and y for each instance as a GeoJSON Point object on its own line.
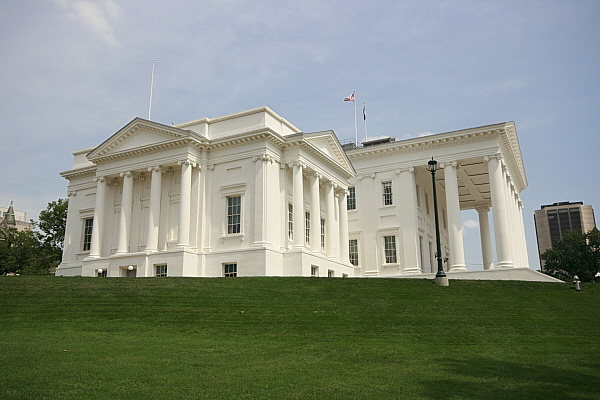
{"type": "Point", "coordinates": [298, 205]}
{"type": "Point", "coordinates": [457, 250]}
{"type": "Point", "coordinates": [98, 224]}
{"type": "Point", "coordinates": [344, 241]}
{"type": "Point", "coordinates": [407, 205]}
{"type": "Point", "coordinates": [330, 240]}
{"type": "Point", "coordinates": [185, 198]}
{"type": "Point", "coordinates": [154, 208]}
{"type": "Point", "coordinates": [315, 214]}
{"type": "Point", "coordinates": [499, 212]}
{"type": "Point", "coordinates": [71, 216]}
{"type": "Point", "coordinates": [126, 210]}
{"type": "Point", "coordinates": [486, 238]}
{"type": "Point", "coordinates": [260, 199]}
{"type": "Point", "coordinates": [522, 234]}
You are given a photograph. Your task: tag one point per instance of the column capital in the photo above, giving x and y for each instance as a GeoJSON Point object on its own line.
{"type": "Point", "coordinates": [483, 208]}
{"type": "Point", "coordinates": [401, 170]}
{"type": "Point", "coordinates": [72, 193]}
{"type": "Point", "coordinates": [210, 167]}
{"type": "Point", "coordinates": [101, 179]}
{"type": "Point", "coordinates": [496, 156]}
{"type": "Point", "coordinates": [127, 174]}
{"type": "Point", "coordinates": [263, 157]}
{"type": "Point", "coordinates": [187, 161]}
{"type": "Point", "coordinates": [157, 168]}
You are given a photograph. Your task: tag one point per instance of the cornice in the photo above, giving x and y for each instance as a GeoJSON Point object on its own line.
{"type": "Point", "coordinates": [79, 172]}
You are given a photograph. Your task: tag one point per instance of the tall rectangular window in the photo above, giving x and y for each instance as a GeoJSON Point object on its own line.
{"type": "Point", "coordinates": [389, 246]}
{"type": "Point", "coordinates": [427, 204]}
{"type": "Point", "coordinates": [421, 253]}
{"type": "Point", "coordinates": [87, 234]}
{"type": "Point", "coordinates": [234, 214]}
{"type": "Point", "coordinates": [351, 198]}
{"type": "Point", "coordinates": [322, 234]}
{"type": "Point", "coordinates": [290, 221]}
{"type": "Point", "coordinates": [353, 243]}
{"type": "Point", "coordinates": [161, 270]}
{"type": "Point", "coordinates": [307, 227]}
{"type": "Point", "coordinates": [230, 270]}
{"type": "Point", "coordinates": [418, 190]}
{"type": "Point", "coordinates": [386, 188]}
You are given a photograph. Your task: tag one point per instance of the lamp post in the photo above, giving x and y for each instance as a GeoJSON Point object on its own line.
{"type": "Point", "coordinates": [440, 277]}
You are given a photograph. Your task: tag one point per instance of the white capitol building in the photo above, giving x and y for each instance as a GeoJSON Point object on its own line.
{"type": "Point", "coordinates": [249, 194]}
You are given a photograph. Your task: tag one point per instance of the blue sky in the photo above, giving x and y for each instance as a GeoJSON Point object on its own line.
{"type": "Point", "coordinates": [72, 72]}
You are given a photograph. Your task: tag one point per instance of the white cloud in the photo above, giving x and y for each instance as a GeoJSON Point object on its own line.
{"type": "Point", "coordinates": [97, 15]}
{"type": "Point", "coordinates": [471, 224]}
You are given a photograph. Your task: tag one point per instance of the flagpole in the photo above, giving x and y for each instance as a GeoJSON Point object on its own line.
{"type": "Point", "coordinates": [151, 86]}
{"type": "Point", "coordinates": [355, 128]}
{"type": "Point", "coordinates": [365, 119]}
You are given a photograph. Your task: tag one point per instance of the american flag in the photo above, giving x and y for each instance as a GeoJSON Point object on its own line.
{"type": "Point", "coordinates": [349, 98]}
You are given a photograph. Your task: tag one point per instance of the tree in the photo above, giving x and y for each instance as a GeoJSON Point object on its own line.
{"type": "Point", "coordinates": [35, 252]}
{"type": "Point", "coordinates": [51, 230]}
{"type": "Point", "coordinates": [576, 254]}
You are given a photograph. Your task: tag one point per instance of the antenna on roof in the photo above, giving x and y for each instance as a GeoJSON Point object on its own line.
{"type": "Point", "coordinates": [151, 86]}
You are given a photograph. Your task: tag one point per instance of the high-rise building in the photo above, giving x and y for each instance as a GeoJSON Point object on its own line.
{"type": "Point", "coordinates": [554, 220]}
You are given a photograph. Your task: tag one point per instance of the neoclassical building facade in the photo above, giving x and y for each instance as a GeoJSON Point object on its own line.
{"type": "Point", "coordinates": [249, 194]}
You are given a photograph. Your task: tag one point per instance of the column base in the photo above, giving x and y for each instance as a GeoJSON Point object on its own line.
{"type": "Point", "coordinates": [458, 268]}
{"type": "Point", "coordinates": [441, 280]}
{"type": "Point", "coordinates": [505, 264]}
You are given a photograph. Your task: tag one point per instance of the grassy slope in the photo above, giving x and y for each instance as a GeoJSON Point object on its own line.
{"type": "Point", "coordinates": [297, 338]}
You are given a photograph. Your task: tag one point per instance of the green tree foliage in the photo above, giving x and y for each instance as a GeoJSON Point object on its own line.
{"type": "Point", "coordinates": [35, 252]}
{"type": "Point", "coordinates": [576, 254]}
{"type": "Point", "coordinates": [51, 230]}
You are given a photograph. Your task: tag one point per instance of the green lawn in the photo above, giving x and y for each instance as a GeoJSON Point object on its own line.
{"type": "Point", "coordinates": [297, 338]}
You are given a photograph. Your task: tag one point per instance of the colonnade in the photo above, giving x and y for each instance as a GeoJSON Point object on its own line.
{"type": "Point", "coordinates": [507, 213]}
{"type": "Point", "coordinates": [154, 209]}
{"type": "Point", "coordinates": [336, 218]}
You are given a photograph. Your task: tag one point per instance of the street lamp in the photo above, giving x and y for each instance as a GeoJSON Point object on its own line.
{"type": "Point", "coordinates": [440, 277]}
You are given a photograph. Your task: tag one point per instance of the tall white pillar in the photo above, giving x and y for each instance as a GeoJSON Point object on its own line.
{"type": "Point", "coordinates": [98, 224]}
{"type": "Point", "coordinates": [522, 234]}
{"type": "Point", "coordinates": [407, 206]}
{"type": "Point", "coordinates": [298, 205]}
{"type": "Point", "coordinates": [315, 214]}
{"type": "Point", "coordinates": [185, 201]}
{"type": "Point", "coordinates": [154, 208]}
{"type": "Point", "coordinates": [126, 211]}
{"type": "Point", "coordinates": [486, 238]}
{"type": "Point", "coordinates": [457, 250]}
{"type": "Point", "coordinates": [260, 199]}
{"type": "Point", "coordinates": [344, 240]}
{"type": "Point", "coordinates": [71, 216]}
{"type": "Point", "coordinates": [500, 212]}
{"type": "Point", "coordinates": [330, 240]}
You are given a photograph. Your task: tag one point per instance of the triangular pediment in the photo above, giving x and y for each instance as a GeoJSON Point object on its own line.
{"type": "Point", "coordinates": [138, 134]}
{"type": "Point", "coordinates": [327, 143]}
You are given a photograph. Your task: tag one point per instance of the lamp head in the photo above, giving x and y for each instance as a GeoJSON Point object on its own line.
{"type": "Point", "coordinates": [432, 165]}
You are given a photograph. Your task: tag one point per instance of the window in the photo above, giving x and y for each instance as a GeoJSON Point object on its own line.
{"type": "Point", "coordinates": [421, 262]}
{"type": "Point", "coordinates": [322, 234]}
{"type": "Point", "coordinates": [427, 204]}
{"type": "Point", "coordinates": [354, 251]}
{"type": "Point", "coordinates": [307, 227]}
{"type": "Point", "coordinates": [290, 222]}
{"type": "Point", "coordinates": [444, 218]}
{"type": "Point", "coordinates": [387, 193]}
{"type": "Point", "coordinates": [234, 213]}
{"type": "Point", "coordinates": [87, 234]}
{"type": "Point", "coordinates": [418, 190]}
{"type": "Point", "coordinates": [389, 245]}
{"type": "Point", "coordinates": [351, 198]}
{"type": "Point", "coordinates": [161, 270]}
{"type": "Point", "coordinates": [102, 273]}
{"type": "Point", "coordinates": [230, 270]}
{"type": "Point", "coordinates": [330, 273]}
{"type": "Point", "coordinates": [344, 275]}
{"type": "Point", "coordinates": [314, 270]}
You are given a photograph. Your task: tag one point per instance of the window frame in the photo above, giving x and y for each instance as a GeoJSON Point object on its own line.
{"type": "Point", "coordinates": [87, 244]}
{"type": "Point", "coordinates": [233, 273]}
{"type": "Point", "coordinates": [323, 222]}
{"type": "Point", "coordinates": [307, 227]}
{"type": "Point", "coordinates": [390, 253]}
{"type": "Point", "coordinates": [353, 255]}
{"type": "Point", "coordinates": [351, 199]}
{"type": "Point", "coordinates": [290, 221]}
{"type": "Point", "coordinates": [387, 195]}
{"type": "Point", "coordinates": [229, 207]}
{"type": "Point", "coordinates": [161, 273]}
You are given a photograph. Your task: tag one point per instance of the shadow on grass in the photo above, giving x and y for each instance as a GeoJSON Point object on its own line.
{"type": "Point", "coordinates": [481, 378]}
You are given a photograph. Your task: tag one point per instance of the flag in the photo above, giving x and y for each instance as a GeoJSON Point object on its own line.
{"type": "Point", "coordinates": [365, 111]}
{"type": "Point", "coordinates": [350, 98]}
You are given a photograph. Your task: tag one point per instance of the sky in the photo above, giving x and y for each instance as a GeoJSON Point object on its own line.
{"type": "Point", "coordinates": [73, 72]}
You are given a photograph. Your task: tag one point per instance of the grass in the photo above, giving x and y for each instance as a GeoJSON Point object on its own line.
{"type": "Point", "coordinates": [297, 338]}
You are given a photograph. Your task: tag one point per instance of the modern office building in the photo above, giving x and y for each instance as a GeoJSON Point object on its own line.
{"type": "Point", "coordinates": [552, 221]}
{"type": "Point", "coordinates": [250, 194]}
